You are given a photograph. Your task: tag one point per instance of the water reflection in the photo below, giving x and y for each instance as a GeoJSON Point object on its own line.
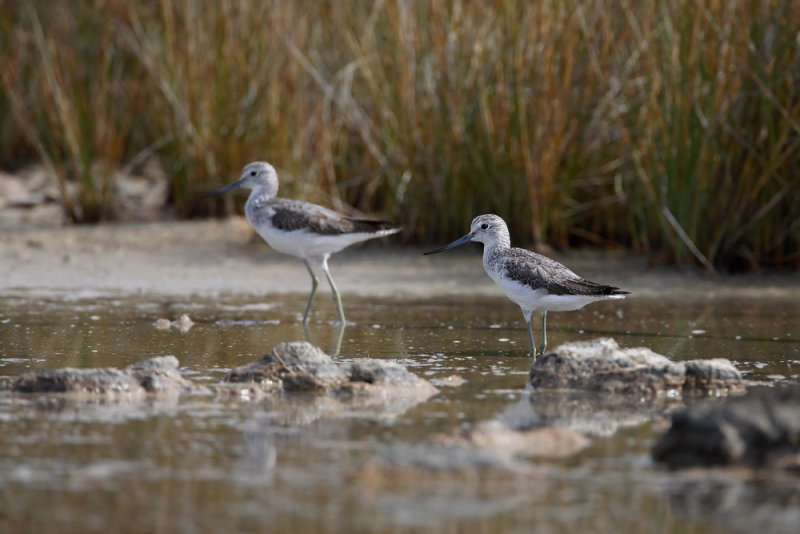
{"type": "Point", "coordinates": [337, 346]}
{"type": "Point", "coordinates": [742, 501]}
{"type": "Point", "coordinates": [305, 462]}
{"type": "Point", "coordinates": [261, 456]}
{"type": "Point", "coordinates": [588, 413]}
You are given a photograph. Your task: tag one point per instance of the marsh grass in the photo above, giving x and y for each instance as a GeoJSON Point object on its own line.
{"type": "Point", "coordinates": [667, 126]}
{"type": "Point", "coordinates": [716, 149]}
{"type": "Point", "coordinates": [65, 94]}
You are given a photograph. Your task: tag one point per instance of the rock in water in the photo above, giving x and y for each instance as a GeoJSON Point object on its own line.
{"type": "Point", "coordinates": [369, 376]}
{"type": "Point", "coordinates": [717, 375]}
{"type": "Point", "coordinates": [761, 429]}
{"type": "Point", "coordinates": [161, 375]}
{"type": "Point", "coordinates": [300, 366]}
{"type": "Point", "coordinates": [601, 365]}
{"type": "Point", "coordinates": [297, 366]}
{"type": "Point", "coordinates": [156, 375]}
{"type": "Point", "coordinates": [373, 387]}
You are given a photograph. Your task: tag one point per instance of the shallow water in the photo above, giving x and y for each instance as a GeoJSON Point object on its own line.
{"type": "Point", "coordinates": [295, 464]}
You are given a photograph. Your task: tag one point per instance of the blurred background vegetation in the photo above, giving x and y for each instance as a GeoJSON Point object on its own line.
{"type": "Point", "coordinates": [670, 127]}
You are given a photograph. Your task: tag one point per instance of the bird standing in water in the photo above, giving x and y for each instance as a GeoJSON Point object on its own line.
{"type": "Point", "coordinates": [301, 229]}
{"type": "Point", "coordinates": [534, 282]}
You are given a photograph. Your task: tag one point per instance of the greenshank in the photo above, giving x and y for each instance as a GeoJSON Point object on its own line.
{"type": "Point", "coordinates": [301, 229]}
{"type": "Point", "coordinates": [534, 282]}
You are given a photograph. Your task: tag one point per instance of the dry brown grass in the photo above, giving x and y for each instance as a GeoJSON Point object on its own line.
{"type": "Point", "coordinates": [668, 126]}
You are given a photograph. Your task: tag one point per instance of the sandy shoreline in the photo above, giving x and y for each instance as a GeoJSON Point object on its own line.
{"type": "Point", "coordinates": [212, 256]}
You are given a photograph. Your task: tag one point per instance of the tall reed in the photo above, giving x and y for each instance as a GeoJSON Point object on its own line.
{"type": "Point", "coordinates": [668, 126]}
{"type": "Point", "coordinates": [716, 133]}
{"type": "Point", "coordinates": [73, 97]}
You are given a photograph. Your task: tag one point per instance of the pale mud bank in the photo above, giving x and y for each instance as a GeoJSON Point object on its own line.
{"type": "Point", "coordinates": [212, 256]}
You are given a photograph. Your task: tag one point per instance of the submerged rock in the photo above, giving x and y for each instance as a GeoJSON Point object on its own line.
{"type": "Point", "coordinates": [601, 365]}
{"type": "Point", "coordinates": [156, 375]}
{"type": "Point", "coordinates": [505, 440]}
{"type": "Point", "coordinates": [297, 366]}
{"type": "Point", "coordinates": [327, 389]}
{"type": "Point", "coordinates": [367, 388]}
{"type": "Point", "coordinates": [482, 448]}
{"type": "Point", "coordinates": [161, 375]}
{"type": "Point", "coordinates": [717, 375]}
{"type": "Point", "coordinates": [378, 377]}
{"type": "Point", "coordinates": [761, 429]}
{"type": "Point", "coordinates": [300, 366]}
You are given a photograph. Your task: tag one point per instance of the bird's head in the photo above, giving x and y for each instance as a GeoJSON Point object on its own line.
{"type": "Point", "coordinates": [256, 175]}
{"type": "Point", "coordinates": [487, 229]}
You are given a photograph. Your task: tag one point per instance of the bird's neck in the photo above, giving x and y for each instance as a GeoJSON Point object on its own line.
{"type": "Point", "coordinates": [496, 246]}
{"type": "Point", "coordinates": [262, 193]}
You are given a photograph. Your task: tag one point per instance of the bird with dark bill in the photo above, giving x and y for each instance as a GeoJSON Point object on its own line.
{"type": "Point", "coordinates": [534, 282]}
{"type": "Point", "coordinates": [301, 229]}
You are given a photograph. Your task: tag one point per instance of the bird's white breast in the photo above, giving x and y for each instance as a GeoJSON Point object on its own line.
{"type": "Point", "coordinates": [528, 298]}
{"type": "Point", "coordinates": [304, 243]}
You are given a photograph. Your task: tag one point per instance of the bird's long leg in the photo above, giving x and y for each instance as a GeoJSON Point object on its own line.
{"type": "Point", "coordinates": [543, 344]}
{"type": "Point", "coordinates": [339, 337]}
{"type": "Point", "coordinates": [337, 298]}
{"type": "Point", "coordinates": [527, 315]}
{"type": "Point", "coordinates": [314, 284]}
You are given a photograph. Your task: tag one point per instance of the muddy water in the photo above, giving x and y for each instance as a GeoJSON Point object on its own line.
{"type": "Point", "coordinates": [294, 464]}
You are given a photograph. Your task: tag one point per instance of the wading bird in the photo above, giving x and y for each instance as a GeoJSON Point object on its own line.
{"type": "Point", "coordinates": [534, 282]}
{"type": "Point", "coordinates": [301, 229]}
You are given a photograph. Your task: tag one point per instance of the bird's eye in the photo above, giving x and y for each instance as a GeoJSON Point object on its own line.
{"type": "Point", "coordinates": [252, 173]}
{"type": "Point", "coordinates": [484, 226]}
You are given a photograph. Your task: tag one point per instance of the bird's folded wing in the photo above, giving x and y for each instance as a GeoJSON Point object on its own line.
{"type": "Point", "coordinates": [292, 215]}
{"type": "Point", "coordinates": [552, 277]}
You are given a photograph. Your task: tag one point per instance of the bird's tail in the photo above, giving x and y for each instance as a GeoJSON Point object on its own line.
{"type": "Point", "coordinates": [374, 227]}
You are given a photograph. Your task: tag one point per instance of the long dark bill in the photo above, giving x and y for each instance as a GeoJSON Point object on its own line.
{"type": "Point", "coordinates": [222, 190]}
{"type": "Point", "coordinates": [458, 242]}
